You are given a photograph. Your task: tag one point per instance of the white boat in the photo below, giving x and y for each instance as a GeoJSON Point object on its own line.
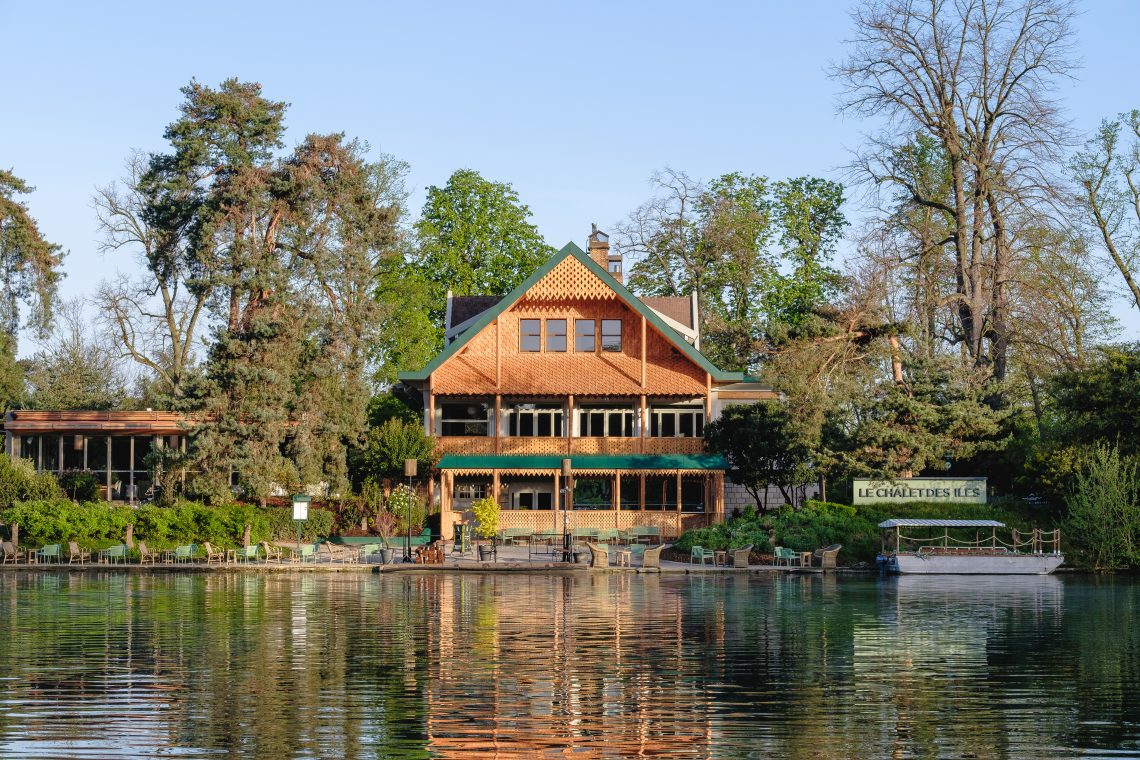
{"type": "Point", "coordinates": [921, 552]}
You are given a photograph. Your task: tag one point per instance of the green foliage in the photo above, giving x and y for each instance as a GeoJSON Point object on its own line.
{"type": "Point", "coordinates": [820, 524]}
{"type": "Point", "coordinates": [387, 446]}
{"type": "Point", "coordinates": [75, 370]}
{"type": "Point", "coordinates": [486, 512]}
{"type": "Point", "coordinates": [31, 263]}
{"type": "Point", "coordinates": [932, 419]}
{"type": "Point", "coordinates": [475, 238]}
{"type": "Point", "coordinates": [407, 507]}
{"type": "Point", "coordinates": [286, 246]}
{"type": "Point", "coordinates": [1103, 522]}
{"type": "Point", "coordinates": [20, 482]}
{"type": "Point", "coordinates": [57, 520]}
{"type": "Point", "coordinates": [762, 445]}
{"type": "Point", "coordinates": [1102, 401]}
{"type": "Point", "coordinates": [80, 485]}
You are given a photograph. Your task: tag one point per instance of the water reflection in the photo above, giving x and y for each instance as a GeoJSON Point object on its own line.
{"type": "Point", "coordinates": [606, 665]}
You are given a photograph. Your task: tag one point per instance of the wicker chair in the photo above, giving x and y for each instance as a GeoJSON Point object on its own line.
{"type": "Point", "coordinates": [740, 556]}
{"type": "Point", "coordinates": [827, 555]}
{"type": "Point", "coordinates": [652, 557]}
{"type": "Point", "coordinates": [599, 554]}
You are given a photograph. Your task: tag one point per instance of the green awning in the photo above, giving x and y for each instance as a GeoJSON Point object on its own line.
{"type": "Point", "coordinates": [584, 462]}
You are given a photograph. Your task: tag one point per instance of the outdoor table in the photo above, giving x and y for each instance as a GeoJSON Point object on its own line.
{"type": "Point", "coordinates": [720, 557]}
{"type": "Point", "coordinates": [805, 559]}
{"type": "Point", "coordinates": [625, 558]}
{"type": "Point", "coordinates": [544, 543]}
{"type": "Point", "coordinates": [231, 555]}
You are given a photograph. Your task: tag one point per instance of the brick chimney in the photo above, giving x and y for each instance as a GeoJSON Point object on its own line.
{"type": "Point", "coordinates": [599, 250]}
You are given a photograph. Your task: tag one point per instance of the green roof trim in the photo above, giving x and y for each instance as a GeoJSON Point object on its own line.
{"type": "Point", "coordinates": [584, 462]}
{"type": "Point", "coordinates": [570, 249]}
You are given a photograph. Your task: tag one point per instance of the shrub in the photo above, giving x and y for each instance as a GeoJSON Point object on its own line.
{"type": "Point", "coordinates": [407, 507]}
{"type": "Point", "coordinates": [20, 482]}
{"type": "Point", "coordinates": [1103, 523]}
{"type": "Point", "coordinates": [80, 485]}
{"type": "Point", "coordinates": [282, 528]}
{"type": "Point", "coordinates": [486, 516]}
{"type": "Point", "coordinates": [59, 520]}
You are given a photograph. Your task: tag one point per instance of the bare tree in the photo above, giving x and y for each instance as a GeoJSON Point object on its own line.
{"type": "Point", "coordinates": [1108, 175]}
{"type": "Point", "coordinates": [153, 318]}
{"type": "Point", "coordinates": [976, 77]}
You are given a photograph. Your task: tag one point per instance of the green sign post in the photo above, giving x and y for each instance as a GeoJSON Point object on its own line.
{"type": "Point", "coordinates": [300, 514]}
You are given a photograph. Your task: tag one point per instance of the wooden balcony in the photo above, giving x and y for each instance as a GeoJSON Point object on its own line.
{"type": "Point", "coordinates": [549, 446]}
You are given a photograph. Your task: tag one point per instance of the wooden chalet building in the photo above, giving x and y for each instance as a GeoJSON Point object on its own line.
{"type": "Point", "coordinates": [571, 364]}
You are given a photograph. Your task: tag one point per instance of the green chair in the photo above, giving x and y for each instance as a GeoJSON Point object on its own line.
{"type": "Point", "coordinates": [787, 556]}
{"type": "Point", "coordinates": [246, 553]}
{"type": "Point", "coordinates": [113, 554]}
{"type": "Point", "coordinates": [369, 550]}
{"type": "Point", "coordinates": [610, 536]}
{"type": "Point", "coordinates": [702, 555]}
{"type": "Point", "coordinates": [50, 553]}
{"type": "Point", "coordinates": [305, 553]}
{"type": "Point", "coordinates": [184, 553]}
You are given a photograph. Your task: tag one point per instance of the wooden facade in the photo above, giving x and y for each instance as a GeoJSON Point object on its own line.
{"type": "Point", "coordinates": [571, 364]}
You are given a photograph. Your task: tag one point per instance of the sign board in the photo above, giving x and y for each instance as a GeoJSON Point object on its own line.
{"type": "Point", "coordinates": [936, 490]}
{"type": "Point", "coordinates": [301, 506]}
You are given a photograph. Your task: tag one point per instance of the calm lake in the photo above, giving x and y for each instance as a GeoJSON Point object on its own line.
{"type": "Point", "coordinates": [507, 665]}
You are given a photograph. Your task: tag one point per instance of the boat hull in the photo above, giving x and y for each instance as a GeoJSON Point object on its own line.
{"type": "Point", "coordinates": [996, 564]}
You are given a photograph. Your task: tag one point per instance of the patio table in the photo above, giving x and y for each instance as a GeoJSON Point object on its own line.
{"type": "Point", "coordinates": [544, 543]}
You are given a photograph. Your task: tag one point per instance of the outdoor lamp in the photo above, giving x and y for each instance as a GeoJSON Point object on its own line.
{"type": "Point", "coordinates": [409, 473]}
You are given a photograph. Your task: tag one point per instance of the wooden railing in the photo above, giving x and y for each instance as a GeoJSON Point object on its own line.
{"type": "Point", "coordinates": [558, 446]}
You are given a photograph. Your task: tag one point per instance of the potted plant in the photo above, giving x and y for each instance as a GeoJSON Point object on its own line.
{"type": "Point", "coordinates": [486, 525]}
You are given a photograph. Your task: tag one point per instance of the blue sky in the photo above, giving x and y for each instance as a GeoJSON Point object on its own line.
{"type": "Point", "coordinates": [575, 105]}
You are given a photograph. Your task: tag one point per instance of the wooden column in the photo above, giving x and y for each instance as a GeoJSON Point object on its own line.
{"type": "Point", "coordinates": [641, 497]}
{"type": "Point", "coordinates": [445, 518]}
{"type": "Point", "coordinates": [643, 345]}
{"type": "Point", "coordinates": [431, 414]}
{"type": "Point", "coordinates": [644, 423]}
{"type": "Point", "coordinates": [557, 502]}
{"type": "Point", "coordinates": [570, 425]}
{"type": "Point", "coordinates": [708, 398]}
{"type": "Point", "coordinates": [498, 415]}
{"type": "Point", "coordinates": [498, 358]}
{"type": "Point", "coordinates": [678, 492]}
{"type": "Point", "coordinates": [617, 490]}
{"type": "Point", "coordinates": [495, 487]}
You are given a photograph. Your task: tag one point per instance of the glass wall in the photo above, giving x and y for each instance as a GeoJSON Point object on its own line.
{"type": "Point", "coordinates": [593, 493]}
{"type": "Point", "coordinates": [692, 493]}
{"type": "Point", "coordinates": [661, 492]}
{"type": "Point", "coordinates": [630, 492]}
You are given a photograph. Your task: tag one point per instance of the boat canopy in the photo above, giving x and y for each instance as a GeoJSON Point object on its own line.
{"type": "Point", "coordinates": [906, 522]}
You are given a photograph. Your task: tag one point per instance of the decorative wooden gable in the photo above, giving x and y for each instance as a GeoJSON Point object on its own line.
{"type": "Point", "coordinates": [650, 362]}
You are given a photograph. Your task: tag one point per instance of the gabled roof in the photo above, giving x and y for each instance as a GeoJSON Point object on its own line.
{"type": "Point", "coordinates": [632, 301]}
{"type": "Point", "coordinates": [464, 308]}
{"type": "Point", "coordinates": [677, 308]}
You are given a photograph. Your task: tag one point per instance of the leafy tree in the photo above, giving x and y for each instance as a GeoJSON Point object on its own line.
{"type": "Point", "coordinates": [763, 446]}
{"type": "Point", "coordinates": [29, 264]}
{"type": "Point", "coordinates": [74, 370]}
{"type": "Point", "coordinates": [1103, 522]}
{"type": "Point", "coordinates": [756, 254]}
{"type": "Point", "coordinates": [13, 393]}
{"type": "Point", "coordinates": [387, 446]}
{"type": "Point", "coordinates": [286, 250]}
{"type": "Point", "coordinates": [475, 238]}
{"type": "Point", "coordinates": [1100, 403]}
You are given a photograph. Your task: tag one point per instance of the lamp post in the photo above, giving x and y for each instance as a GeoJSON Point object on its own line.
{"type": "Point", "coordinates": [409, 473]}
{"type": "Point", "coordinates": [568, 476]}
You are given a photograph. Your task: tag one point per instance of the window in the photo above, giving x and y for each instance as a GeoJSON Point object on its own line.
{"type": "Point", "coordinates": [556, 335]}
{"type": "Point", "coordinates": [615, 266]}
{"type": "Point", "coordinates": [611, 335]}
{"type": "Point", "coordinates": [598, 422]}
{"type": "Point", "coordinates": [530, 335]}
{"type": "Point", "coordinates": [584, 335]}
{"type": "Point", "coordinates": [593, 493]}
{"type": "Point", "coordinates": [470, 490]}
{"type": "Point", "coordinates": [677, 422]}
{"type": "Point", "coordinates": [534, 500]}
{"type": "Point", "coordinates": [465, 419]}
{"type": "Point", "coordinates": [535, 420]}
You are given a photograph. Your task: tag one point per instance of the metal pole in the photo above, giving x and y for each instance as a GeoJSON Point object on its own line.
{"type": "Point", "coordinates": [409, 473]}
{"type": "Point", "coordinates": [568, 475]}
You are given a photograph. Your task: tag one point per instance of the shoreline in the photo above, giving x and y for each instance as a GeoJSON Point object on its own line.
{"type": "Point", "coordinates": [553, 568]}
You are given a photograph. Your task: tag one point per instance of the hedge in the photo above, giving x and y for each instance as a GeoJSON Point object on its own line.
{"type": "Point", "coordinates": [60, 520]}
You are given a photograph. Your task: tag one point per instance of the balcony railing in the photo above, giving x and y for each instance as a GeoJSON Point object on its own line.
{"type": "Point", "coordinates": [558, 446]}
